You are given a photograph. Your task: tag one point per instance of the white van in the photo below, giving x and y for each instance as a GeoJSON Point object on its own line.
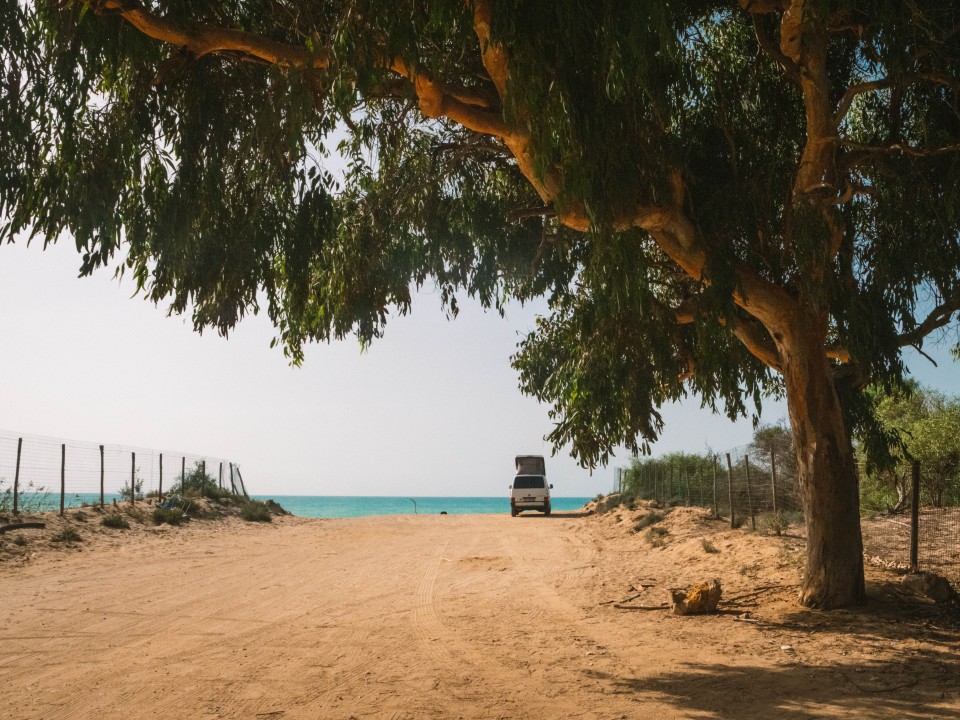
{"type": "Point", "coordinates": [530, 490]}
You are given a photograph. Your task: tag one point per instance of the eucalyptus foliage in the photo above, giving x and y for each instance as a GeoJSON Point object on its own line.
{"type": "Point", "coordinates": [207, 172]}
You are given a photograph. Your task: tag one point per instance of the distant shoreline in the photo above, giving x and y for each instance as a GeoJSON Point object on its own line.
{"type": "Point", "coordinates": [348, 506]}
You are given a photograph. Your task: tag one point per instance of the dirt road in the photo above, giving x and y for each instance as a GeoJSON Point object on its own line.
{"type": "Point", "coordinates": [442, 617]}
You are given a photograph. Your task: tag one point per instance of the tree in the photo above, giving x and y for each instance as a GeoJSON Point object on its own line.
{"type": "Point", "coordinates": [777, 441]}
{"type": "Point", "coordinates": [925, 425]}
{"type": "Point", "coordinates": [721, 199]}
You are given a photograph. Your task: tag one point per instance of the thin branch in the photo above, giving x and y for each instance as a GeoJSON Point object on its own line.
{"type": "Point", "coordinates": [888, 82]}
{"type": "Point", "coordinates": [939, 317]}
{"type": "Point", "coordinates": [920, 350]}
{"type": "Point", "coordinates": [529, 212]}
{"type": "Point", "coordinates": [852, 93]}
{"type": "Point", "coordinates": [900, 148]}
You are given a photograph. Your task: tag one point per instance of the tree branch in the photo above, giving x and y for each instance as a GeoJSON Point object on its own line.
{"type": "Point", "coordinates": [900, 148]}
{"type": "Point", "coordinates": [748, 331]}
{"type": "Point", "coordinates": [437, 100]}
{"type": "Point", "coordinates": [200, 40]}
{"type": "Point", "coordinates": [764, 7]}
{"type": "Point", "coordinates": [887, 82]}
{"type": "Point", "coordinates": [767, 44]}
{"type": "Point", "coordinates": [939, 317]}
{"type": "Point", "coordinates": [758, 342]}
{"type": "Point", "coordinates": [847, 100]}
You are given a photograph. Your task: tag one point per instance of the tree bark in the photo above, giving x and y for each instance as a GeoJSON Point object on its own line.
{"type": "Point", "coordinates": [826, 470]}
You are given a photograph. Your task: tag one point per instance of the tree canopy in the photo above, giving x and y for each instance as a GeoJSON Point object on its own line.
{"type": "Point", "coordinates": [925, 427]}
{"type": "Point", "coordinates": [719, 198]}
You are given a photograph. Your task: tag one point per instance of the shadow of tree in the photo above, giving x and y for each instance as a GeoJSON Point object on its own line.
{"type": "Point", "coordinates": [902, 661]}
{"type": "Point", "coordinates": [797, 692]}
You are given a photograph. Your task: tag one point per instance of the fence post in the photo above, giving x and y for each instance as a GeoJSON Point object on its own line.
{"type": "Point", "coordinates": [730, 489]}
{"type": "Point", "coordinates": [243, 487]}
{"type": "Point", "coordinates": [16, 479]}
{"type": "Point", "coordinates": [63, 474]}
{"type": "Point", "coordinates": [133, 479]}
{"type": "Point", "coordinates": [915, 519]}
{"type": "Point", "coordinates": [220, 480]}
{"type": "Point", "coordinates": [753, 518]}
{"type": "Point", "coordinates": [773, 488]}
{"type": "Point", "coordinates": [101, 476]}
{"type": "Point", "coordinates": [700, 497]}
{"type": "Point", "coordinates": [203, 478]}
{"type": "Point", "coordinates": [716, 510]}
{"type": "Point", "coordinates": [183, 475]}
{"type": "Point", "coordinates": [160, 492]}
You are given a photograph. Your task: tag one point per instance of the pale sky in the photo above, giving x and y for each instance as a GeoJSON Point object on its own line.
{"type": "Point", "coordinates": [431, 409]}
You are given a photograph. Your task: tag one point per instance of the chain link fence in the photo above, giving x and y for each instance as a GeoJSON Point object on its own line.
{"type": "Point", "coordinates": [757, 487]}
{"type": "Point", "coordinates": [751, 486]}
{"type": "Point", "coordinates": [919, 532]}
{"type": "Point", "coordinates": [42, 473]}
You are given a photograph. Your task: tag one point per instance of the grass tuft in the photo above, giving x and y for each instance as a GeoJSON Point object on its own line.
{"type": "Point", "coordinates": [115, 521]}
{"type": "Point", "coordinates": [255, 511]}
{"type": "Point", "coordinates": [657, 536]}
{"type": "Point", "coordinates": [649, 519]}
{"type": "Point", "coordinates": [171, 516]}
{"type": "Point", "coordinates": [67, 535]}
{"type": "Point", "coordinates": [708, 546]}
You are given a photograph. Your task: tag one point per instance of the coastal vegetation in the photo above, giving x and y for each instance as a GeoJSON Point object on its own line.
{"type": "Point", "coordinates": [116, 521]}
{"type": "Point", "coordinates": [726, 200]}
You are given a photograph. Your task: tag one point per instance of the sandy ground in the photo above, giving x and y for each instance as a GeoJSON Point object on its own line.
{"type": "Point", "coordinates": [452, 617]}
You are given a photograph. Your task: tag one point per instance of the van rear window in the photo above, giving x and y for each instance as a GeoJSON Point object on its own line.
{"type": "Point", "coordinates": [528, 482]}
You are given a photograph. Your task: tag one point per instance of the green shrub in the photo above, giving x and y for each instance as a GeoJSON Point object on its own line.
{"type": "Point", "coordinates": [20, 540]}
{"type": "Point", "coordinates": [125, 493]}
{"type": "Point", "coordinates": [115, 521]}
{"type": "Point", "coordinates": [615, 500]}
{"type": "Point", "coordinates": [651, 518]}
{"type": "Point", "coordinates": [30, 498]}
{"type": "Point", "coordinates": [197, 483]}
{"type": "Point", "coordinates": [255, 511]}
{"type": "Point", "coordinates": [67, 535]}
{"type": "Point", "coordinates": [171, 516]}
{"type": "Point", "coordinates": [657, 536]}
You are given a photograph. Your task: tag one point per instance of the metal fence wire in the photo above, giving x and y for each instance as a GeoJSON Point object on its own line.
{"type": "Point", "coordinates": [46, 473]}
{"type": "Point", "coordinates": [747, 485]}
{"type": "Point", "coordinates": [758, 488]}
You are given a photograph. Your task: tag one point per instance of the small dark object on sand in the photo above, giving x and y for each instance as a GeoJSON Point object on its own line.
{"type": "Point", "coordinates": [22, 526]}
{"type": "Point", "coordinates": [443, 512]}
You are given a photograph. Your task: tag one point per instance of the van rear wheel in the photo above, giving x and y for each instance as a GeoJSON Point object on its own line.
{"type": "Point", "coordinates": [546, 510]}
{"type": "Point", "coordinates": [513, 512]}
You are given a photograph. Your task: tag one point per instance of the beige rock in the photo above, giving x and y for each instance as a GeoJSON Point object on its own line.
{"type": "Point", "coordinates": [700, 599]}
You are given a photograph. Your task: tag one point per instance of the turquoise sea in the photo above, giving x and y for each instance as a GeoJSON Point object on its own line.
{"type": "Point", "coordinates": [341, 506]}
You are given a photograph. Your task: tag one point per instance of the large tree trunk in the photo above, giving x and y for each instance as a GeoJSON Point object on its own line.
{"type": "Point", "coordinates": [825, 468]}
